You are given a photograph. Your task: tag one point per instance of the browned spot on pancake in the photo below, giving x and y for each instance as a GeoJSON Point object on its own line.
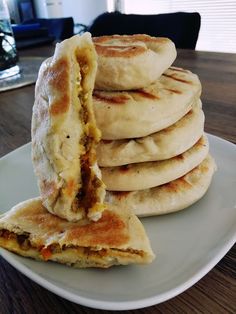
{"type": "Point", "coordinates": [189, 113]}
{"type": "Point", "coordinates": [179, 69]}
{"type": "Point", "coordinates": [179, 157]}
{"type": "Point", "coordinates": [120, 194]}
{"type": "Point", "coordinates": [200, 142]}
{"type": "Point", "coordinates": [57, 78]}
{"type": "Point", "coordinates": [58, 75]}
{"type": "Point", "coordinates": [124, 168]}
{"type": "Point", "coordinates": [115, 100]}
{"type": "Point", "coordinates": [119, 51]}
{"type": "Point", "coordinates": [126, 45]}
{"type": "Point", "coordinates": [106, 141]}
{"type": "Point", "coordinates": [145, 94]}
{"type": "Point", "coordinates": [202, 168]}
{"type": "Point", "coordinates": [176, 185]}
{"type": "Point", "coordinates": [60, 106]}
{"type": "Point", "coordinates": [109, 230]}
{"type": "Point", "coordinates": [183, 182]}
{"type": "Point", "coordinates": [146, 38]}
{"type": "Point", "coordinates": [129, 39]}
{"type": "Point", "coordinates": [167, 130]}
{"type": "Point", "coordinates": [175, 91]}
{"type": "Point", "coordinates": [173, 76]}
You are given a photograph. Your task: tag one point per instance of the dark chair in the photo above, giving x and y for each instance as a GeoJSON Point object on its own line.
{"type": "Point", "coordinates": [182, 28]}
{"type": "Point", "coordinates": [59, 28]}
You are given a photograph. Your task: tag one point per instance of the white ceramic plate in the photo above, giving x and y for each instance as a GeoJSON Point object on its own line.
{"type": "Point", "coordinates": [187, 244]}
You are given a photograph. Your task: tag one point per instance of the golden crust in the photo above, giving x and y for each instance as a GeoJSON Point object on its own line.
{"type": "Point", "coordinates": [161, 145]}
{"type": "Point", "coordinates": [130, 38]}
{"type": "Point", "coordinates": [109, 231]}
{"type": "Point", "coordinates": [131, 61]}
{"type": "Point", "coordinates": [119, 51]}
{"type": "Point", "coordinates": [141, 112]}
{"type": "Point", "coordinates": [170, 197]}
{"type": "Point", "coordinates": [118, 237]}
{"type": "Point", "coordinates": [59, 78]}
{"type": "Point", "coordinates": [144, 175]}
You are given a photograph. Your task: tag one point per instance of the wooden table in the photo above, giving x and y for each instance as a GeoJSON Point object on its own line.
{"type": "Point", "coordinates": [216, 292]}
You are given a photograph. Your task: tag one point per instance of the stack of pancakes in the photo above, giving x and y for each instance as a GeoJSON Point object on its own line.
{"type": "Point", "coordinates": [154, 155]}
{"type": "Point", "coordinates": [69, 223]}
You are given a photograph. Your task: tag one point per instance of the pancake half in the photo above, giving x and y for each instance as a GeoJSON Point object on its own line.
{"type": "Point", "coordinates": [28, 229]}
{"type": "Point", "coordinates": [138, 113]}
{"type": "Point", "coordinates": [131, 61]}
{"type": "Point", "coordinates": [154, 173]}
{"type": "Point", "coordinates": [64, 132]}
{"type": "Point", "coordinates": [164, 144]}
{"type": "Point", "coordinates": [170, 197]}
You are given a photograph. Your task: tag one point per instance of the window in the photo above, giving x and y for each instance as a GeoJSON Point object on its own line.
{"type": "Point", "coordinates": [218, 19]}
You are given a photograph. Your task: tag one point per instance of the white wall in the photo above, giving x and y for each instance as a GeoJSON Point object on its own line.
{"type": "Point", "coordinates": [83, 11]}
{"type": "Point", "coordinates": [40, 8]}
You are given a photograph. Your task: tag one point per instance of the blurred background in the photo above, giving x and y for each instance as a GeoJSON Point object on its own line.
{"type": "Point", "coordinates": [217, 29]}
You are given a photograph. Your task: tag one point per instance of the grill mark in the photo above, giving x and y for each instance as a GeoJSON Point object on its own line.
{"type": "Point", "coordinates": [175, 91]}
{"type": "Point", "coordinates": [145, 94]}
{"type": "Point", "coordinates": [189, 113]}
{"type": "Point", "coordinates": [124, 168]}
{"type": "Point", "coordinates": [177, 79]}
{"type": "Point", "coordinates": [106, 141]}
{"type": "Point", "coordinates": [179, 157]}
{"type": "Point", "coordinates": [119, 51]}
{"type": "Point", "coordinates": [130, 38]}
{"type": "Point", "coordinates": [118, 100]}
{"type": "Point", "coordinates": [120, 194]}
{"type": "Point", "coordinates": [176, 185]}
{"type": "Point", "coordinates": [179, 70]}
{"type": "Point", "coordinates": [201, 142]}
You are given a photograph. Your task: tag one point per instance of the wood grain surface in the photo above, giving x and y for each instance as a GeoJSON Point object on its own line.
{"type": "Point", "coordinates": [216, 292]}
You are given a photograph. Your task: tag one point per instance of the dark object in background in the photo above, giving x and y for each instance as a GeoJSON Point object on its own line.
{"type": "Point", "coordinates": [182, 28]}
{"type": "Point", "coordinates": [26, 10]}
{"type": "Point", "coordinates": [30, 35]}
{"type": "Point", "coordinates": [59, 28]}
{"type": "Point", "coordinates": [36, 32]}
{"type": "Point", "coordinates": [8, 52]}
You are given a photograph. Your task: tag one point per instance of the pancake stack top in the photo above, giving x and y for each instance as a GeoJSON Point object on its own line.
{"type": "Point", "coordinates": [154, 155]}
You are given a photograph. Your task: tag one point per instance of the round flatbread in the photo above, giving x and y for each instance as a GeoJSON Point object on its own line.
{"type": "Point", "coordinates": [161, 145]}
{"type": "Point", "coordinates": [139, 113]}
{"type": "Point", "coordinates": [131, 61]}
{"type": "Point", "coordinates": [146, 175]}
{"type": "Point", "coordinates": [170, 197]}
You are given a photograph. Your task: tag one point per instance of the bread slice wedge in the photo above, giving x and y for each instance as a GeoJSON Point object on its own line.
{"type": "Point", "coordinates": [28, 229]}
